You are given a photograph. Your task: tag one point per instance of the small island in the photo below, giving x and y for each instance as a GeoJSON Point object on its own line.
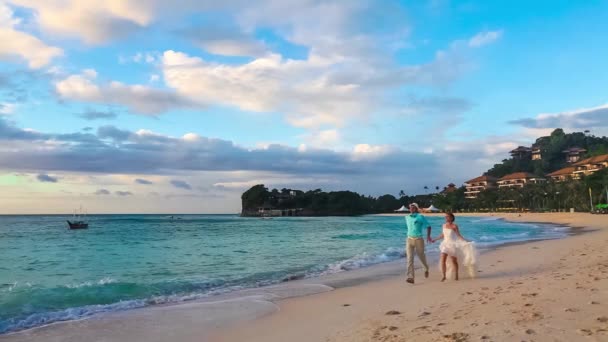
{"type": "Point", "coordinates": [258, 201]}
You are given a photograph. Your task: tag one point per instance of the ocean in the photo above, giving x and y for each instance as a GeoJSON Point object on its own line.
{"type": "Point", "coordinates": [49, 273]}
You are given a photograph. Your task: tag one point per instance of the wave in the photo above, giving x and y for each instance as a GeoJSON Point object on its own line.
{"type": "Point", "coordinates": [74, 313]}
{"type": "Point", "coordinates": [44, 318]}
{"type": "Point", "coordinates": [504, 237]}
{"type": "Point", "coordinates": [103, 281]}
{"type": "Point", "coordinates": [355, 236]}
{"type": "Point", "coordinates": [365, 259]}
{"type": "Point", "coordinates": [486, 219]}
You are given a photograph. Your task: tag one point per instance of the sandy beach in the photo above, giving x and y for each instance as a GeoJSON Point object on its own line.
{"type": "Point", "coordinates": [554, 290]}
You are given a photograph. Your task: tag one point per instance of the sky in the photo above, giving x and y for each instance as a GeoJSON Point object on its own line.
{"type": "Point", "coordinates": [149, 106]}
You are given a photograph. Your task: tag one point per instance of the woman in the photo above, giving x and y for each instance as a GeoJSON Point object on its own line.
{"type": "Point", "coordinates": [455, 246]}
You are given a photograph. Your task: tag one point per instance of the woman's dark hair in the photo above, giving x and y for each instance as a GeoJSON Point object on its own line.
{"type": "Point", "coordinates": [451, 216]}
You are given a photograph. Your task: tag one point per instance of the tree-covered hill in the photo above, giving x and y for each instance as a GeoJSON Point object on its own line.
{"type": "Point", "coordinates": [320, 203]}
{"type": "Point", "coordinates": [553, 157]}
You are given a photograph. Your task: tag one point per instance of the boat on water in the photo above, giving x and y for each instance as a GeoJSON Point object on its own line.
{"type": "Point", "coordinates": [79, 220]}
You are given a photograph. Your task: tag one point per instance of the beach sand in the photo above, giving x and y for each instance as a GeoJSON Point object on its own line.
{"type": "Point", "coordinates": [554, 290]}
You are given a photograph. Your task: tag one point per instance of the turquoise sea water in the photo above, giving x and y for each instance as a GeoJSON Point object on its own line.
{"type": "Point", "coordinates": [49, 273]}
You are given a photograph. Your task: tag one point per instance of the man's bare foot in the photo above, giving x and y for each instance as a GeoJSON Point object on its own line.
{"type": "Point", "coordinates": [426, 274]}
{"type": "Point", "coordinates": [443, 279]}
{"type": "Point", "coordinates": [410, 280]}
{"type": "Point", "coordinates": [456, 279]}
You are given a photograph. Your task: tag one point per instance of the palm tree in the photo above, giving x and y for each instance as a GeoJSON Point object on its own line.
{"type": "Point", "coordinates": [426, 188]}
{"type": "Point", "coordinates": [401, 193]}
{"type": "Point", "coordinates": [437, 188]}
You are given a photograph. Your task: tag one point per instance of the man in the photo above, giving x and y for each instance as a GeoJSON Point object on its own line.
{"type": "Point", "coordinates": [415, 243]}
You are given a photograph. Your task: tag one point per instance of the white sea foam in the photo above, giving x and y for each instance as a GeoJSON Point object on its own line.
{"type": "Point", "coordinates": [16, 285]}
{"type": "Point", "coordinates": [365, 259]}
{"type": "Point", "coordinates": [103, 281]}
{"type": "Point", "coordinates": [485, 219]}
{"type": "Point", "coordinates": [45, 318]}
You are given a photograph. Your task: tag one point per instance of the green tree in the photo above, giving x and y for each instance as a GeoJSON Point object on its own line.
{"type": "Point", "coordinates": [255, 197]}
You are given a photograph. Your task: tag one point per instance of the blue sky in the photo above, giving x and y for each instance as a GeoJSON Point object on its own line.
{"type": "Point", "coordinates": [301, 93]}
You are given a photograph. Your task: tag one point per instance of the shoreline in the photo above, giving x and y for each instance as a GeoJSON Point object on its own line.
{"type": "Point", "coordinates": [522, 294]}
{"type": "Point", "coordinates": [257, 305]}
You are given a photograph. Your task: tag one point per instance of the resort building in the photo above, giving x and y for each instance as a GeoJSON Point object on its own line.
{"type": "Point", "coordinates": [477, 185]}
{"type": "Point", "coordinates": [584, 167]}
{"type": "Point", "coordinates": [518, 179]}
{"type": "Point", "coordinates": [521, 152]}
{"type": "Point", "coordinates": [536, 153]}
{"type": "Point", "coordinates": [562, 174]}
{"type": "Point", "coordinates": [574, 154]}
{"type": "Point", "coordinates": [590, 165]}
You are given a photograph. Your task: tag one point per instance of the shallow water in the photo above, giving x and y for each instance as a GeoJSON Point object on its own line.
{"type": "Point", "coordinates": [49, 273]}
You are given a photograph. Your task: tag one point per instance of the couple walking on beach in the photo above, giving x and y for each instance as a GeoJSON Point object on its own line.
{"type": "Point", "coordinates": [453, 246]}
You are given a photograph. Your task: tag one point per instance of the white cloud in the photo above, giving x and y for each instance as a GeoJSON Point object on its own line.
{"type": "Point", "coordinates": [484, 38]}
{"type": "Point", "coordinates": [298, 88]}
{"type": "Point", "coordinates": [579, 119]}
{"type": "Point", "coordinates": [367, 151]}
{"type": "Point", "coordinates": [144, 57]}
{"type": "Point", "coordinates": [191, 137]}
{"type": "Point", "coordinates": [7, 108]}
{"type": "Point", "coordinates": [326, 138]}
{"type": "Point", "coordinates": [93, 21]}
{"type": "Point", "coordinates": [7, 18]}
{"type": "Point", "coordinates": [20, 44]}
{"type": "Point", "coordinates": [225, 41]}
{"type": "Point", "coordinates": [137, 98]}
{"type": "Point", "coordinates": [313, 93]}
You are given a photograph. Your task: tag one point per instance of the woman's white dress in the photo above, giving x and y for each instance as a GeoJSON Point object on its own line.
{"type": "Point", "coordinates": [464, 251]}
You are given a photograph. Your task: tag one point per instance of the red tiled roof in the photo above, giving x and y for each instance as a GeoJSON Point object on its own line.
{"type": "Point", "coordinates": [518, 175]}
{"type": "Point", "coordinates": [593, 160]}
{"type": "Point", "coordinates": [482, 179]}
{"type": "Point", "coordinates": [450, 188]}
{"type": "Point", "coordinates": [574, 150]}
{"type": "Point", "coordinates": [561, 172]}
{"type": "Point", "coordinates": [521, 149]}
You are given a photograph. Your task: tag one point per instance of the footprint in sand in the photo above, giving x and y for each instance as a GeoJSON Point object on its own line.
{"type": "Point", "coordinates": [571, 310]}
{"type": "Point", "coordinates": [423, 327]}
{"type": "Point", "coordinates": [529, 294]}
{"type": "Point", "coordinates": [393, 313]}
{"type": "Point", "coordinates": [585, 332]}
{"type": "Point", "coordinates": [602, 319]}
{"type": "Point", "coordinates": [530, 332]}
{"type": "Point", "coordinates": [456, 337]}
{"type": "Point", "coordinates": [380, 333]}
{"type": "Point", "coordinates": [345, 304]}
